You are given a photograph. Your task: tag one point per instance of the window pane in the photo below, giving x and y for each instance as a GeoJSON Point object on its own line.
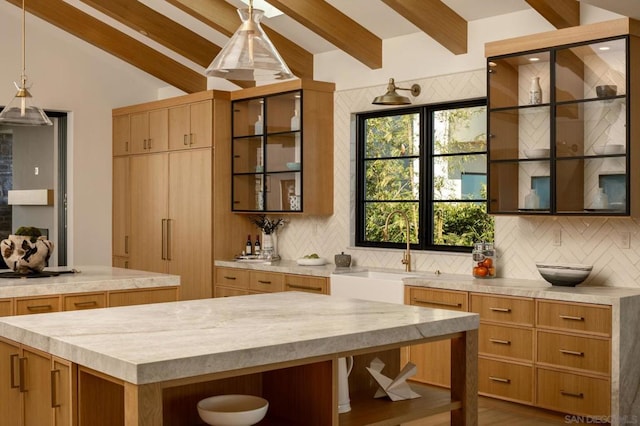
{"type": "Point", "coordinates": [460, 177]}
{"type": "Point", "coordinates": [461, 224]}
{"type": "Point", "coordinates": [392, 179]}
{"type": "Point", "coordinates": [460, 130]}
{"type": "Point", "coordinates": [376, 216]}
{"type": "Point", "coordinates": [392, 136]}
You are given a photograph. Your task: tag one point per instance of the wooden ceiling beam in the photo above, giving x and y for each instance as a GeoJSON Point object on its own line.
{"type": "Point", "coordinates": [102, 36]}
{"type": "Point", "coordinates": [436, 19]}
{"type": "Point", "coordinates": [224, 18]}
{"type": "Point", "coordinates": [336, 27]}
{"type": "Point", "coordinates": [560, 13]}
{"type": "Point", "coordinates": [159, 28]}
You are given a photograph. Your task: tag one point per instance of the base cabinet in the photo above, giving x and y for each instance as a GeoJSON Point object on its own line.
{"type": "Point", "coordinates": [238, 282]}
{"type": "Point", "coordinates": [35, 389]}
{"type": "Point", "coordinates": [545, 353]}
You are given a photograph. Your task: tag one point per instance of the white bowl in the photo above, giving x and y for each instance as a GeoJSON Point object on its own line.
{"type": "Point", "coordinates": [311, 262]}
{"type": "Point", "coordinates": [614, 149]}
{"type": "Point", "coordinates": [564, 274]}
{"type": "Point", "coordinates": [537, 153]}
{"type": "Point", "coordinates": [232, 410]}
{"type": "Point", "coordinates": [598, 150]}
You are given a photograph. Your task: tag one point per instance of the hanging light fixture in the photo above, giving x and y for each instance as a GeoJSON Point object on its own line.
{"type": "Point", "coordinates": [249, 54]}
{"type": "Point", "coordinates": [393, 98]}
{"type": "Point", "coordinates": [20, 112]}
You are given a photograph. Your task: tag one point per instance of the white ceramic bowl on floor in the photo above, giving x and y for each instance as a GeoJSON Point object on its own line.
{"type": "Point", "coordinates": [232, 410]}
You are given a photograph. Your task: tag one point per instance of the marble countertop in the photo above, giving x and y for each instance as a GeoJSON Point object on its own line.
{"type": "Point", "coordinates": [152, 343]}
{"type": "Point", "coordinates": [90, 278]}
{"type": "Point", "coordinates": [283, 265]}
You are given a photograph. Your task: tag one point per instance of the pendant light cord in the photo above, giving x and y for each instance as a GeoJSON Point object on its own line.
{"type": "Point", "coordinates": [23, 78]}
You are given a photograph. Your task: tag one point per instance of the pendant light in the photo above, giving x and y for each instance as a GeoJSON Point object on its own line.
{"type": "Point", "coordinates": [393, 98]}
{"type": "Point", "coordinates": [20, 112]}
{"type": "Point", "coordinates": [249, 54]}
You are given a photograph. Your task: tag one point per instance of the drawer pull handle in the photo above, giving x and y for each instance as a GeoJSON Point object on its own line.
{"type": "Point", "coordinates": [500, 379]}
{"type": "Point", "coordinates": [568, 352]}
{"type": "Point", "coordinates": [264, 282]}
{"type": "Point", "coordinates": [500, 342]}
{"type": "Point", "coordinates": [54, 389]}
{"type": "Point", "coordinates": [229, 278]}
{"type": "Point", "coordinates": [40, 308]}
{"type": "Point", "coordinates": [12, 361]}
{"type": "Point", "coordinates": [86, 304]}
{"type": "Point", "coordinates": [506, 310]}
{"type": "Point", "coordinates": [303, 287]}
{"type": "Point", "coordinates": [572, 318]}
{"type": "Point", "coordinates": [572, 394]}
{"type": "Point", "coordinates": [433, 302]}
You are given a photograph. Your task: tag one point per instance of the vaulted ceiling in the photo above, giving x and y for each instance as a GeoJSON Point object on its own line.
{"type": "Point", "coordinates": [158, 36]}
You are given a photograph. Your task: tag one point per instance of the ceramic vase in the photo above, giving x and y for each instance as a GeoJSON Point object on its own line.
{"type": "Point", "coordinates": [535, 91]}
{"type": "Point", "coordinates": [270, 245]}
{"type": "Point", "coordinates": [23, 256]}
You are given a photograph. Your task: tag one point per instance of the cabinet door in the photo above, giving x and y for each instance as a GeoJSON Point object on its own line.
{"type": "Point", "coordinates": [10, 397]}
{"type": "Point", "coordinates": [158, 133]}
{"type": "Point", "coordinates": [37, 388]}
{"type": "Point", "coordinates": [189, 223]}
{"type": "Point", "coordinates": [121, 206]}
{"type": "Point", "coordinates": [139, 132]}
{"type": "Point", "coordinates": [179, 127]}
{"type": "Point", "coordinates": [149, 201]}
{"type": "Point", "coordinates": [120, 134]}
{"type": "Point", "coordinates": [142, 297]}
{"type": "Point", "coordinates": [63, 382]}
{"type": "Point", "coordinates": [200, 119]}
{"type": "Point", "coordinates": [306, 283]}
{"type": "Point", "coordinates": [82, 301]}
{"type": "Point", "coordinates": [37, 305]}
{"type": "Point", "coordinates": [6, 307]}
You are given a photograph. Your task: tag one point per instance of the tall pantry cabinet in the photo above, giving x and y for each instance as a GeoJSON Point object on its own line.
{"type": "Point", "coordinates": [164, 202]}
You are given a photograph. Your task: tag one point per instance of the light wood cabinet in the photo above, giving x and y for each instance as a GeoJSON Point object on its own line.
{"type": "Point", "coordinates": [149, 131]}
{"type": "Point", "coordinates": [238, 282]}
{"type": "Point", "coordinates": [172, 223]}
{"type": "Point", "coordinates": [190, 126]}
{"type": "Point", "coordinates": [37, 305]}
{"type": "Point", "coordinates": [6, 307]}
{"type": "Point", "coordinates": [35, 389]}
{"type": "Point", "coordinates": [266, 282]}
{"type": "Point", "coordinates": [121, 135]}
{"type": "Point", "coordinates": [121, 204]}
{"type": "Point", "coordinates": [282, 145]}
{"type": "Point", "coordinates": [309, 284]}
{"type": "Point", "coordinates": [76, 302]}
{"type": "Point", "coordinates": [143, 296]}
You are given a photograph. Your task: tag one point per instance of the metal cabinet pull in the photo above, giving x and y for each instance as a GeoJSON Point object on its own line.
{"type": "Point", "coordinates": [126, 244]}
{"type": "Point", "coordinates": [126, 147]}
{"type": "Point", "coordinates": [264, 282]}
{"type": "Point", "coordinates": [302, 287]}
{"type": "Point", "coordinates": [144, 144]}
{"type": "Point", "coordinates": [499, 379]}
{"type": "Point", "coordinates": [506, 310]}
{"type": "Point", "coordinates": [500, 342]}
{"type": "Point", "coordinates": [184, 140]}
{"type": "Point", "coordinates": [86, 304]}
{"type": "Point", "coordinates": [164, 237]}
{"type": "Point", "coordinates": [169, 232]}
{"type": "Point", "coordinates": [572, 318]}
{"type": "Point", "coordinates": [433, 302]}
{"type": "Point", "coordinates": [12, 361]}
{"type": "Point", "coordinates": [40, 308]}
{"type": "Point", "coordinates": [572, 394]}
{"type": "Point", "coordinates": [568, 352]}
{"type": "Point", "coordinates": [229, 278]}
{"type": "Point", "coordinates": [149, 143]}
{"type": "Point", "coordinates": [54, 389]}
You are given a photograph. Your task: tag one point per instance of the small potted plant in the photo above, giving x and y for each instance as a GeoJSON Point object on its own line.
{"type": "Point", "coordinates": [26, 251]}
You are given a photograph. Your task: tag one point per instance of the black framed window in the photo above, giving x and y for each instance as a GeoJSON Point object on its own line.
{"type": "Point", "coordinates": [427, 164]}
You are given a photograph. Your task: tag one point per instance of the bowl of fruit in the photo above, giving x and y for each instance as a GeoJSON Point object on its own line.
{"type": "Point", "coordinates": [311, 260]}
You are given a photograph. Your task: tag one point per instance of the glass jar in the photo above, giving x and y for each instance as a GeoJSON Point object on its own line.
{"type": "Point", "coordinates": [484, 260]}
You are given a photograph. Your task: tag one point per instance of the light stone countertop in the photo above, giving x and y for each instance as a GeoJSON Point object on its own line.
{"type": "Point", "coordinates": [157, 342]}
{"type": "Point", "coordinates": [90, 278]}
{"type": "Point", "coordinates": [284, 265]}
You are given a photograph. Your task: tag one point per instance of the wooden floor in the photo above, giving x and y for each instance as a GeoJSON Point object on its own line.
{"type": "Point", "coordinates": [492, 412]}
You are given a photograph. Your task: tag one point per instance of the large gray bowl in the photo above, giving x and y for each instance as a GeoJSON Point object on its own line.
{"type": "Point", "coordinates": [564, 274]}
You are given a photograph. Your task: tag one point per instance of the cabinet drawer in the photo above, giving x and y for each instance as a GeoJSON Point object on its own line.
{"type": "Point", "coordinates": [266, 281]}
{"type": "Point", "coordinates": [37, 305]}
{"type": "Point", "coordinates": [305, 283]}
{"type": "Point", "coordinates": [584, 353]}
{"type": "Point", "coordinates": [231, 277]}
{"type": "Point", "coordinates": [84, 301]}
{"type": "Point", "coordinates": [574, 317]}
{"type": "Point", "coordinates": [504, 309]}
{"type": "Point", "coordinates": [572, 393]}
{"type": "Point", "coordinates": [6, 307]}
{"type": "Point", "coordinates": [228, 292]}
{"type": "Point", "coordinates": [141, 297]}
{"type": "Point", "coordinates": [505, 341]}
{"type": "Point", "coordinates": [508, 381]}
{"type": "Point", "coordinates": [439, 299]}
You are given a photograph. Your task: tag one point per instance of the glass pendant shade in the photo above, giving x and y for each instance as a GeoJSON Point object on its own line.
{"type": "Point", "coordinates": [20, 111]}
{"type": "Point", "coordinates": [249, 54]}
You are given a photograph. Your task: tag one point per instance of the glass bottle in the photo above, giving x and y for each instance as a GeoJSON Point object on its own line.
{"type": "Point", "coordinates": [256, 246]}
{"type": "Point", "coordinates": [248, 246]}
{"type": "Point", "coordinates": [258, 126]}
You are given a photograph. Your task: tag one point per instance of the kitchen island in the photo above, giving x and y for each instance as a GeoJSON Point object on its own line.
{"type": "Point", "coordinates": [148, 365]}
